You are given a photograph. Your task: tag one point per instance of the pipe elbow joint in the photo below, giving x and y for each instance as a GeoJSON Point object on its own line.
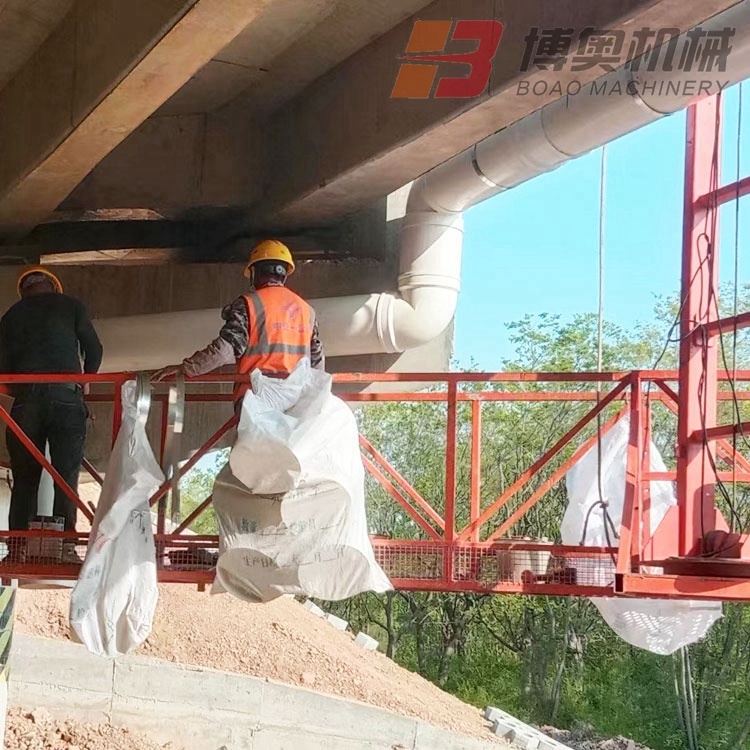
{"type": "Point", "coordinates": [403, 325]}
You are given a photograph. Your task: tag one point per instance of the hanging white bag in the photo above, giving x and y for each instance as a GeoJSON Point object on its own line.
{"type": "Point", "coordinates": [112, 605]}
{"type": "Point", "coordinates": [279, 430]}
{"type": "Point", "coordinates": [290, 503]}
{"type": "Point", "coordinates": [659, 626]}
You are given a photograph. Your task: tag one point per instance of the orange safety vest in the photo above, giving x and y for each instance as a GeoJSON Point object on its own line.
{"type": "Point", "coordinates": [279, 327]}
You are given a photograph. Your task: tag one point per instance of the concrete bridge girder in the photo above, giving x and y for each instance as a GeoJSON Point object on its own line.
{"type": "Point", "coordinates": [341, 142]}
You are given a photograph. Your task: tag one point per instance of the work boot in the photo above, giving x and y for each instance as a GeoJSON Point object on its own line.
{"type": "Point", "coordinates": [69, 554]}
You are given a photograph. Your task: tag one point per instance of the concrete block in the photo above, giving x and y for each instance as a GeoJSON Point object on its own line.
{"type": "Point", "coordinates": [491, 713]}
{"type": "Point", "coordinates": [337, 622]}
{"type": "Point", "coordinates": [367, 643]}
{"type": "Point", "coordinates": [288, 707]}
{"type": "Point", "coordinates": [504, 729]}
{"type": "Point", "coordinates": [527, 742]}
{"type": "Point", "coordinates": [187, 686]}
{"type": "Point", "coordinates": [519, 734]}
{"type": "Point", "coordinates": [314, 608]}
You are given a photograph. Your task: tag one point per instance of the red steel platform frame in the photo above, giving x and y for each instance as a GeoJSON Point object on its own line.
{"type": "Point", "coordinates": [479, 556]}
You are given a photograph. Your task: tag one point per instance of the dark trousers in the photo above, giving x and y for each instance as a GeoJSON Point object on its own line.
{"type": "Point", "coordinates": [53, 414]}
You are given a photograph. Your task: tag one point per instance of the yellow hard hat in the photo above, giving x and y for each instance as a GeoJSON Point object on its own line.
{"type": "Point", "coordinates": [38, 269]}
{"type": "Point", "coordinates": [269, 250]}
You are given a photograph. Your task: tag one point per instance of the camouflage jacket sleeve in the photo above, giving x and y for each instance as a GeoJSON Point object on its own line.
{"type": "Point", "coordinates": [317, 355]}
{"type": "Point", "coordinates": [235, 329]}
{"type": "Point", "coordinates": [227, 347]}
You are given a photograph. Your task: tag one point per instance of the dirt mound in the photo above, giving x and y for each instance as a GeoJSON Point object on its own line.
{"type": "Point", "coordinates": [37, 730]}
{"type": "Point", "coordinates": [280, 641]}
{"type": "Point", "coordinates": [585, 738]}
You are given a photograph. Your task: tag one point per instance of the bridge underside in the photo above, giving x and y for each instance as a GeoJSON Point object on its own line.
{"type": "Point", "coordinates": [180, 131]}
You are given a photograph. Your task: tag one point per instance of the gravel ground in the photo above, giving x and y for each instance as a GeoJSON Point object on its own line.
{"type": "Point", "coordinates": [280, 641]}
{"type": "Point", "coordinates": [37, 730]}
{"type": "Point", "coordinates": [584, 738]}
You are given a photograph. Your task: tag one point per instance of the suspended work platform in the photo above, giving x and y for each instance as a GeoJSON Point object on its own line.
{"type": "Point", "coordinates": [457, 537]}
{"type": "Point", "coordinates": [461, 540]}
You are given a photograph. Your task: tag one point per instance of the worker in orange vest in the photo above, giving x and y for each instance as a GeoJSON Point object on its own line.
{"type": "Point", "coordinates": [269, 329]}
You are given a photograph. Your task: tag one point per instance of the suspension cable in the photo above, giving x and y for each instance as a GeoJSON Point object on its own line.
{"type": "Point", "coordinates": [601, 502]}
{"type": "Point", "coordinates": [602, 203]}
{"type": "Point", "coordinates": [735, 306]}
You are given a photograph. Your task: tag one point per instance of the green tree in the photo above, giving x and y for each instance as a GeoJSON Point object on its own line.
{"type": "Point", "coordinates": [196, 486]}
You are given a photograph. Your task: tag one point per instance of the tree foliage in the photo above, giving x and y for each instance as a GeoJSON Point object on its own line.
{"type": "Point", "coordinates": [196, 486]}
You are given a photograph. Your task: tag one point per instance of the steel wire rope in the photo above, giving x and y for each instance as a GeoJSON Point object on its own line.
{"type": "Point", "coordinates": [607, 522]}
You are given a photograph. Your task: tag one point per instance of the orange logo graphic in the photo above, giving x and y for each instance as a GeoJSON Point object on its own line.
{"type": "Point", "coordinates": [416, 78]}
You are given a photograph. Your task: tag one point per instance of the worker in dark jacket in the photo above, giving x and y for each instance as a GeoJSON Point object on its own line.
{"type": "Point", "coordinates": [46, 332]}
{"type": "Point", "coordinates": [269, 329]}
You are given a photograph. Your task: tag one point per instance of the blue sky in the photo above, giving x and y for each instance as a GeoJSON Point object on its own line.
{"type": "Point", "coordinates": [534, 249]}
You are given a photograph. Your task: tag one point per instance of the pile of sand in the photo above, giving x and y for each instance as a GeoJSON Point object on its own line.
{"type": "Point", "coordinates": [37, 730]}
{"type": "Point", "coordinates": [281, 641]}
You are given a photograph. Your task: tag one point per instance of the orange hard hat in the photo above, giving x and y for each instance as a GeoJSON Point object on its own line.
{"type": "Point", "coordinates": [41, 270]}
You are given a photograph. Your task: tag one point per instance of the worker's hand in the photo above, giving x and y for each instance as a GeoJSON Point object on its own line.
{"type": "Point", "coordinates": [86, 389]}
{"type": "Point", "coordinates": [166, 372]}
